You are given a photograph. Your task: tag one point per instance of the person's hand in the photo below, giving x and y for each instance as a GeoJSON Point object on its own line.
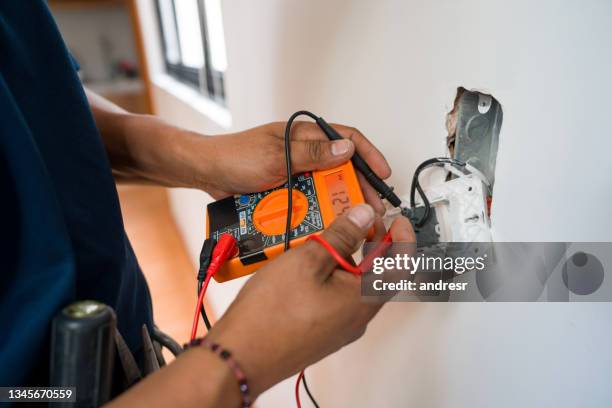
{"type": "Point", "coordinates": [293, 312]}
{"type": "Point", "coordinates": [254, 160]}
{"type": "Point", "coordinates": [301, 307]}
{"type": "Point", "coordinates": [145, 149]}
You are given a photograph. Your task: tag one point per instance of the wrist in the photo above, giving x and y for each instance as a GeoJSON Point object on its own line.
{"type": "Point", "coordinates": [199, 154]}
{"type": "Point", "coordinates": [167, 155]}
{"type": "Point", "coordinates": [219, 384]}
{"type": "Point", "coordinates": [257, 360]}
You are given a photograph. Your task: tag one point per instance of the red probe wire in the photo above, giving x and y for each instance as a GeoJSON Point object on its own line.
{"type": "Point", "coordinates": [196, 317]}
{"type": "Point", "coordinates": [363, 267]}
{"type": "Point", "coordinates": [225, 249]}
{"type": "Point", "coordinates": [367, 261]}
{"type": "Point", "coordinates": [297, 389]}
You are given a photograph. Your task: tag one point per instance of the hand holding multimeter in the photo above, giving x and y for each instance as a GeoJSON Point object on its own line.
{"type": "Point", "coordinates": [326, 205]}
{"type": "Point", "coordinates": [301, 307]}
{"type": "Point", "coordinates": [264, 222]}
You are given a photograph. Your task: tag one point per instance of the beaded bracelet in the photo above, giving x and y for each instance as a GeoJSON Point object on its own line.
{"type": "Point", "coordinates": [226, 356]}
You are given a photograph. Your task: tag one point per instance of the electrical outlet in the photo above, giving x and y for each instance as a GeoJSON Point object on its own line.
{"type": "Point", "coordinates": [459, 212]}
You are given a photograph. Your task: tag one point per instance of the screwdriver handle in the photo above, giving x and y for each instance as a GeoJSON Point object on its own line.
{"type": "Point", "coordinates": [379, 185]}
{"type": "Point", "coordinates": [83, 352]}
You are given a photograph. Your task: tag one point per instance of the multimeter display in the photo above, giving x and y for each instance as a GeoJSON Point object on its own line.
{"type": "Point", "coordinates": [338, 193]}
{"type": "Point", "coordinates": [258, 220]}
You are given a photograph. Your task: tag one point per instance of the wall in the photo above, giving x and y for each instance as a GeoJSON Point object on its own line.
{"type": "Point", "coordinates": [86, 32]}
{"type": "Point", "coordinates": [391, 68]}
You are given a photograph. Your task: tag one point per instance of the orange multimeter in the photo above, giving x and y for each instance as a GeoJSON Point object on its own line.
{"type": "Point", "coordinates": [257, 220]}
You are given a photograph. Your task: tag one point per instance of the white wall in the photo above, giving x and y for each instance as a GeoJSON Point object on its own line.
{"type": "Point", "coordinates": [391, 68]}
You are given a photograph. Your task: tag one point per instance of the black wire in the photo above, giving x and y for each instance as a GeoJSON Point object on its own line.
{"type": "Point", "coordinates": [290, 206]}
{"type": "Point", "coordinates": [426, 206]}
{"type": "Point", "coordinates": [290, 172]}
{"type": "Point", "coordinates": [416, 186]}
{"type": "Point", "coordinates": [314, 402]}
{"type": "Point", "coordinates": [166, 341]}
{"type": "Point", "coordinates": [205, 257]}
{"type": "Point", "coordinates": [202, 310]}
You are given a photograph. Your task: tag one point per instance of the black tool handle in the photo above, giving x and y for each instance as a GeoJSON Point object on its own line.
{"type": "Point", "coordinates": [379, 185]}
{"type": "Point", "coordinates": [82, 352]}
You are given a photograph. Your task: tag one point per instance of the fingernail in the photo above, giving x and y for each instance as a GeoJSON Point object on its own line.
{"type": "Point", "coordinates": [340, 147]}
{"type": "Point", "coordinates": [362, 215]}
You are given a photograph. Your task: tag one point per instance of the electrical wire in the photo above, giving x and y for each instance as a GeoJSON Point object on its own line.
{"type": "Point", "coordinates": [202, 309]}
{"type": "Point", "coordinates": [344, 264]}
{"type": "Point", "coordinates": [166, 341]}
{"type": "Point", "coordinates": [312, 398]}
{"type": "Point", "coordinates": [290, 171]}
{"type": "Point", "coordinates": [297, 389]}
{"type": "Point", "coordinates": [224, 249]}
{"type": "Point", "coordinates": [205, 259]}
{"type": "Point", "coordinates": [194, 325]}
{"type": "Point", "coordinates": [357, 270]}
{"type": "Point", "coordinates": [367, 261]}
{"type": "Point", "coordinates": [364, 266]}
{"type": "Point", "coordinates": [416, 186]}
{"type": "Point", "coordinates": [288, 228]}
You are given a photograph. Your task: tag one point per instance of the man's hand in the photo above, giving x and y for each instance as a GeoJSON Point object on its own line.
{"type": "Point", "coordinates": [300, 307]}
{"type": "Point", "coordinates": [145, 149]}
{"type": "Point", "coordinates": [293, 312]}
{"type": "Point", "coordinates": [254, 160]}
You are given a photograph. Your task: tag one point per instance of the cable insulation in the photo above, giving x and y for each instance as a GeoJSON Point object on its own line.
{"type": "Point", "coordinates": [416, 186]}
{"type": "Point", "coordinates": [288, 224]}
{"type": "Point", "coordinates": [297, 389]}
{"type": "Point", "coordinates": [194, 325]}
{"type": "Point", "coordinates": [314, 402]}
{"type": "Point", "coordinates": [290, 171]}
{"type": "Point", "coordinates": [202, 309]}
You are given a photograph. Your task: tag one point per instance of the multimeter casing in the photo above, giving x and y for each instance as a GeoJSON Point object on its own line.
{"type": "Point", "coordinates": [257, 220]}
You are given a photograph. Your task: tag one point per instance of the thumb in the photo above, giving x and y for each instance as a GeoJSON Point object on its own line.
{"type": "Point", "coordinates": [317, 154]}
{"type": "Point", "coordinates": [345, 234]}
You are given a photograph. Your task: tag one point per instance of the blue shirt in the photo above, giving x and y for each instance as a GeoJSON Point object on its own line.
{"type": "Point", "coordinates": [62, 233]}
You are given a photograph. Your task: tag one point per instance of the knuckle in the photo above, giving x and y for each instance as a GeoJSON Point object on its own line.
{"type": "Point", "coordinates": [343, 235]}
{"type": "Point", "coordinates": [353, 131]}
{"type": "Point", "coordinates": [315, 150]}
{"type": "Point", "coordinates": [275, 161]}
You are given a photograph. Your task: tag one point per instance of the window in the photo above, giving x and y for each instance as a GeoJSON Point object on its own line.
{"type": "Point", "coordinates": [194, 44]}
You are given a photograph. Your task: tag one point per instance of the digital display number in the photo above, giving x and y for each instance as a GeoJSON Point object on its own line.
{"type": "Point", "coordinates": [338, 193]}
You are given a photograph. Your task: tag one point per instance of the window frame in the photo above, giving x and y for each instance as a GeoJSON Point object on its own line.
{"type": "Point", "coordinates": [207, 80]}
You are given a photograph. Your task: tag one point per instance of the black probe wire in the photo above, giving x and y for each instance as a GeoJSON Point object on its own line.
{"type": "Point", "coordinates": [202, 309]}
{"type": "Point", "coordinates": [416, 186]}
{"type": "Point", "coordinates": [290, 172]}
{"type": "Point", "coordinates": [290, 206]}
{"type": "Point", "coordinates": [312, 399]}
{"type": "Point", "coordinates": [205, 258]}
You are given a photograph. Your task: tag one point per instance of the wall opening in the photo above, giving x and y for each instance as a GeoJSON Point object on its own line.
{"type": "Point", "coordinates": [474, 126]}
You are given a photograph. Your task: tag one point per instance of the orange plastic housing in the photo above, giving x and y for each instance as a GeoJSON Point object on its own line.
{"type": "Point", "coordinates": [333, 187]}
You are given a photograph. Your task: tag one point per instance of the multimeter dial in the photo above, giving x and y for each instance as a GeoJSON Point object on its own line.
{"type": "Point", "coordinates": [257, 220]}
{"type": "Point", "coordinates": [270, 215]}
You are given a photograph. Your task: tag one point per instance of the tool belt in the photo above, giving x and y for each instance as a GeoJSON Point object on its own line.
{"type": "Point", "coordinates": [89, 353]}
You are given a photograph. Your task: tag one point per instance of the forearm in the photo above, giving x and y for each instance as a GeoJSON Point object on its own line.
{"type": "Point", "coordinates": [145, 149]}
{"type": "Point", "coordinates": [197, 378]}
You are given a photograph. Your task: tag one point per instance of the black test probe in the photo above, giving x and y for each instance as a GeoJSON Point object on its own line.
{"type": "Point", "coordinates": [379, 185]}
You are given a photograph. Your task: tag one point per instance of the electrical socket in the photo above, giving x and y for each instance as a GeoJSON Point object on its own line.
{"type": "Point", "coordinates": [460, 209]}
